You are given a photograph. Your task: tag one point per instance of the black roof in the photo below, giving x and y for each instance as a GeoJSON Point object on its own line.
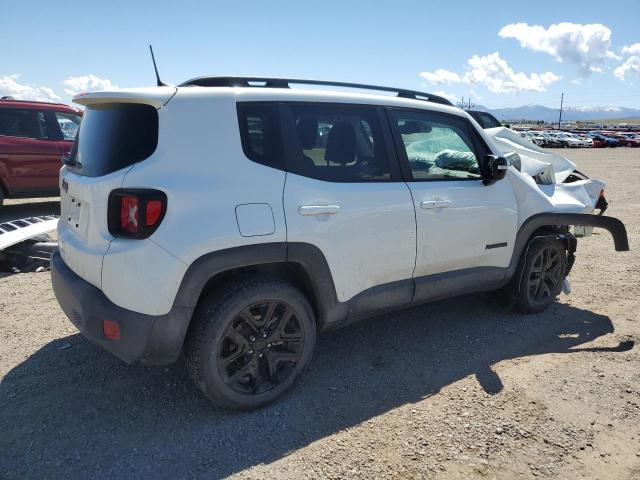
{"type": "Point", "coordinates": [267, 82]}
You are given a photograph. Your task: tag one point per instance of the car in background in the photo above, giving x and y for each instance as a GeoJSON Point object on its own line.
{"type": "Point", "coordinates": [33, 137]}
{"type": "Point", "coordinates": [611, 142]}
{"type": "Point", "coordinates": [581, 140]}
{"type": "Point", "coordinates": [571, 141]}
{"type": "Point", "coordinates": [598, 142]}
{"type": "Point", "coordinates": [625, 140]}
{"type": "Point", "coordinates": [485, 119]}
{"type": "Point", "coordinates": [554, 140]}
{"type": "Point", "coordinates": [535, 137]}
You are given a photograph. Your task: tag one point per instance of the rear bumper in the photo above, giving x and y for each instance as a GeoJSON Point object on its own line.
{"type": "Point", "coordinates": [149, 339]}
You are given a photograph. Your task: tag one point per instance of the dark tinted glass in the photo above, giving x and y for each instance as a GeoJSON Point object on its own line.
{"type": "Point", "coordinates": [260, 133]}
{"type": "Point", "coordinates": [113, 136]}
{"type": "Point", "coordinates": [19, 122]}
{"type": "Point", "coordinates": [338, 143]}
{"type": "Point", "coordinates": [489, 121]}
{"type": "Point", "coordinates": [438, 147]}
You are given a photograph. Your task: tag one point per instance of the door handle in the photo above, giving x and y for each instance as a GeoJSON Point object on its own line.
{"type": "Point", "coordinates": [432, 204]}
{"type": "Point", "coordinates": [307, 210]}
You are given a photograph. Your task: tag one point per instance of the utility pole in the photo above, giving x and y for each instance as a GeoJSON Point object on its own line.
{"type": "Point", "coordinates": [560, 118]}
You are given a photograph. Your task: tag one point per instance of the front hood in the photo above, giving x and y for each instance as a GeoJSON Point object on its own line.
{"type": "Point", "coordinates": [544, 173]}
{"type": "Point", "coordinates": [531, 155]}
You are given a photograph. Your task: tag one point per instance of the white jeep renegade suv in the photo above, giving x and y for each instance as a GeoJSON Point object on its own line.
{"type": "Point", "coordinates": [233, 218]}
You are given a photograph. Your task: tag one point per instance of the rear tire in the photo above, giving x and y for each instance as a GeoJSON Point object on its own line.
{"type": "Point", "coordinates": [250, 341]}
{"type": "Point", "coordinates": [541, 276]}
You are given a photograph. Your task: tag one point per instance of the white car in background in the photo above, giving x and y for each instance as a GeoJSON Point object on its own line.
{"type": "Point", "coordinates": [579, 140]}
{"type": "Point", "coordinates": [535, 137]}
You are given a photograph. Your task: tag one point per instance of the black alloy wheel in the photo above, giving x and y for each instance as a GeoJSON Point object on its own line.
{"type": "Point", "coordinates": [543, 273]}
{"type": "Point", "coordinates": [250, 339]}
{"type": "Point", "coordinates": [260, 347]}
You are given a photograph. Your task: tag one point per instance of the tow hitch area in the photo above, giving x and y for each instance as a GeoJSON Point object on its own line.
{"type": "Point", "coordinates": [25, 245]}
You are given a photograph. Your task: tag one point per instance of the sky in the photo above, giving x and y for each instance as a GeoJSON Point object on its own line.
{"type": "Point", "coordinates": [499, 54]}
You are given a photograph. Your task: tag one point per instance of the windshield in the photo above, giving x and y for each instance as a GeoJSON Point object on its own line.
{"type": "Point", "coordinates": [113, 136]}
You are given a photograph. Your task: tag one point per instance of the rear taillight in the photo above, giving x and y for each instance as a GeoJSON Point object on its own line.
{"type": "Point", "coordinates": [135, 213]}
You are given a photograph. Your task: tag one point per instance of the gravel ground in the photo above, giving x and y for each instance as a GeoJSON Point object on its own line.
{"type": "Point", "coordinates": [455, 389]}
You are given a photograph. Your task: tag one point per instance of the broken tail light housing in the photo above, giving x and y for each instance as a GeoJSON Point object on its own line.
{"type": "Point", "coordinates": [135, 212]}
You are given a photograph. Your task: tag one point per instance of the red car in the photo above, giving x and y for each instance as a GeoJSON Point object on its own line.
{"type": "Point", "coordinates": [598, 143]}
{"type": "Point", "coordinates": [629, 140]}
{"type": "Point", "coordinates": [33, 137]}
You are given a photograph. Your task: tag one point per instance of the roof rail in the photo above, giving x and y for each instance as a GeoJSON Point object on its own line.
{"type": "Point", "coordinates": [9, 98]}
{"type": "Point", "coordinates": [267, 82]}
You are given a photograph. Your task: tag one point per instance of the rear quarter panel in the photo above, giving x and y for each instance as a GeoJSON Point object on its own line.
{"type": "Point", "coordinates": [200, 165]}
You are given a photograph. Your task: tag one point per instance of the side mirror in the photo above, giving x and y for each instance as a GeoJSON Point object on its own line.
{"type": "Point", "coordinates": [493, 169]}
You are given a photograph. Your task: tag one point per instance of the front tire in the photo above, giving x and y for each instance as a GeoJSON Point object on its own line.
{"type": "Point", "coordinates": [542, 276]}
{"type": "Point", "coordinates": [250, 341]}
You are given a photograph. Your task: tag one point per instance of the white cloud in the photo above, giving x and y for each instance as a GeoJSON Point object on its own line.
{"type": "Point", "coordinates": [475, 94]}
{"type": "Point", "coordinates": [86, 83]}
{"type": "Point", "coordinates": [441, 76]}
{"type": "Point", "coordinates": [631, 64]}
{"type": "Point", "coordinates": [632, 49]}
{"type": "Point", "coordinates": [449, 96]}
{"type": "Point", "coordinates": [584, 45]}
{"type": "Point", "coordinates": [497, 76]}
{"type": "Point", "coordinates": [9, 86]}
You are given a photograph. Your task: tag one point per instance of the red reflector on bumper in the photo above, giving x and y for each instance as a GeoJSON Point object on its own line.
{"type": "Point", "coordinates": [111, 330]}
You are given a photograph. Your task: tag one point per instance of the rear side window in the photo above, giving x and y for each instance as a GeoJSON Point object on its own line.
{"type": "Point", "coordinates": [260, 133]}
{"type": "Point", "coordinates": [338, 143]}
{"type": "Point", "coordinates": [23, 122]}
{"type": "Point", "coordinates": [113, 136]}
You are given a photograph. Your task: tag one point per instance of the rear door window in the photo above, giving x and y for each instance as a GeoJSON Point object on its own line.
{"type": "Point", "coordinates": [337, 143]}
{"type": "Point", "coordinates": [113, 136]}
{"type": "Point", "coordinates": [23, 122]}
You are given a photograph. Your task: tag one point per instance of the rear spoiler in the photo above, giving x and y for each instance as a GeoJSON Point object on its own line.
{"type": "Point", "coordinates": [154, 96]}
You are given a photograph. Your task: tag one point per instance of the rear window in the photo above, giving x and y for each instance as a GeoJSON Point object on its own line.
{"type": "Point", "coordinates": [113, 136]}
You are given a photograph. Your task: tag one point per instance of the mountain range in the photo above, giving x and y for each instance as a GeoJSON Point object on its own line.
{"type": "Point", "coordinates": [540, 112]}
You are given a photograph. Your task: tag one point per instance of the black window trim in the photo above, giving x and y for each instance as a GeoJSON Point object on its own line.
{"type": "Point", "coordinates": [55, 132]}
{"type": "Point", "coordinates": [292, 147]}
{"type": "Point", "coordinates": [480, 148]}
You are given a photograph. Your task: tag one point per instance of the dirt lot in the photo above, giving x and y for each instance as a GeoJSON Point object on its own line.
{"type": "Point", "coordinates": [455, 389]}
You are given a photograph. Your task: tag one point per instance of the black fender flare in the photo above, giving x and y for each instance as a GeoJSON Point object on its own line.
{"type": "Point", "coordinates": [614, 226]}
{"type": "Point", "coordinates": [170, 330]}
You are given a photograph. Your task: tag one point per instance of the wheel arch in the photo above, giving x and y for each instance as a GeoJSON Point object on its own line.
{"type": "Point", "coordinates": [301, 264]}
{"type": "Point", "coordinates": [548, 223]}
